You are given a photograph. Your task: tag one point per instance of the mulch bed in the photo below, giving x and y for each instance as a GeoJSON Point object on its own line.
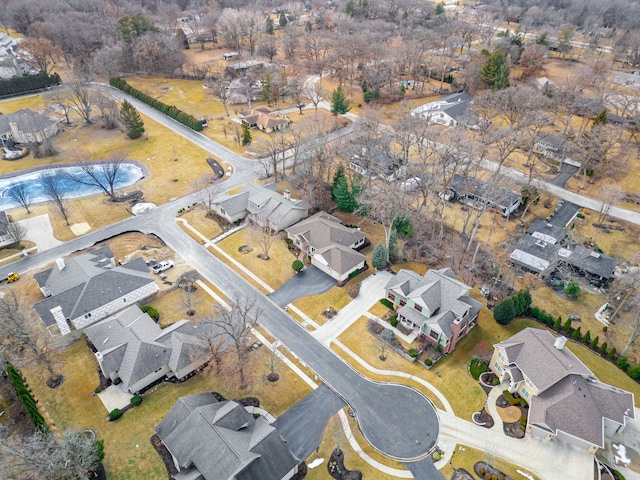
{"type": "Point", "coordinates": [55, 381]}
{"type": "Point", "coordinates": [337, 469]}
{"type": "Point", "coordinates": [511, 429]}
{"type": "Point", "coordinates": [483, 418]}
{"type": "Point", "coordinates": [486, 468]}
{"type": "Point", "coordinates": [461, 474]}
{"type": "Point", "coordinates": [164, 455]}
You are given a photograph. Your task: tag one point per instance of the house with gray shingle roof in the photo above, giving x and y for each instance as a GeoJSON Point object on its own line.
{"type": "Point", "coordinates": [211, 440]}
{"type": "Point", "coordinates": [448, 111]}
{"type": "Point", "coordinates": [132, 348]}
{"type": "Point", "coordinates": [6, 237]}
{"type": "Point", "coordinates": [89, 287]}
{"type": "Point", "coordinates": [566, 400]}
{"type": "Point", "coordinates": [265, 206]}
{"type": "Point", "coordinates": [332, 246]}
{"type": "Point", "coordinates": [478, 194]}
{"type": "Point", "coordinates": [27, 126]}
{"type": "Point", "coordinates": [437, 306]}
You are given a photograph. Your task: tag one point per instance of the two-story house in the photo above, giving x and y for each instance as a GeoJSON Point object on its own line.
{"type": "Point", "coordinates": [436, 305]}
{"type": "Point", "coordinates": [331, 246]}
{"type": "Point", "coordinates": [558, 149]}
{"type": "Point", "coordinates": [479, 194]}
{"type": "Point", "coordinates": [448, 111]}
{"type": "Point", "coordinates": [566, 400]}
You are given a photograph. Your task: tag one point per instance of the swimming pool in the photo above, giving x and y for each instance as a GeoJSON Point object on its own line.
{"type": "Point", "coordinates": [128, 174]}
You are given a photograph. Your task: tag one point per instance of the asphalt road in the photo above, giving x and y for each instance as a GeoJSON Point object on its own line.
{"type": "Point", "coordinates": [303, 424]}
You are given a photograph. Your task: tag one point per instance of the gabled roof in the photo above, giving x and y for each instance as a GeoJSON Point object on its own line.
{"type": "Point", "coordinates": [454, 105]}
{"type": "Point", "coordinates": [341, 259]}
{"type": "Point", "coordinates": [533, 352]}
{"type": "Point", "coordinates": [487, 191]}
{"type": "Point", "coordinates": [4, 222]}
{"type": "Point", "coordinates": [322, 230]}
{"type": "Point", "coordinates": [87, 282]}
{"type": "Point", "coordinates": [593, 262]}
{"type": "Point", "coordinates": [439, 291]}
{"type": "Point", "coordinates": [570, 399]}
{"type": "Point", "coordinates": [133, 345]}
{"type": "Point", "coordinates": [26, 120]}
{"type": "Point", "coordinates": [222, 441]}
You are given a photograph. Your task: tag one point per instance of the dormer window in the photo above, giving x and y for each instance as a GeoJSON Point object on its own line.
{"type": "Point", "coordinates": [418, 307]}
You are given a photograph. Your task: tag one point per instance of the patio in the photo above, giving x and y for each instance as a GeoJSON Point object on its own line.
{"type": "Point", "coordinates": [113, 397]}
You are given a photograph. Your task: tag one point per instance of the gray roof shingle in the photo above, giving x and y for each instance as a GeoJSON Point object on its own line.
{"type": "Point", "coordinates": [26, 120]}
{"type": "Point", "coordinates": [222, 441]}
{"type": "Point", "coordinates": [321, 230]}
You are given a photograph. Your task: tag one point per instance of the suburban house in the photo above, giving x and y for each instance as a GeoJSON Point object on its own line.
{"type": "Point", "coordinates": [27, 126]}
{"type": "Point", "coordinates": [627, 79]}
{"type": "Point", "coordinates": [448, 111]}
{"type": "Point", "coordinates": [331, 246]}
{"type": "Point", "coordinates": [566, 401]}
{"type": "Point", "coordinates": [437, 306]}
{"type": "Point", "coordinates": [265, 206]}
{"type": "Point", "coordinates": [89, 287]}
{"type": "Point", "coordinates": [558, 149]}
{"type": "Point", "coordinates": [378, 164]}
{"type": "Point", "coordinates": [212, 440]}
{"type": "Point", "coordinates": [477, 194]}
{"type": "Point", "coordinates": [546, 248]}
{"type": "Point", "coordinates": [6, 238]}
{"type": "Point", "coordinates": [262, 119]}
{"type": "Point", "coordinates": [240, 90]}
{"type": "Point", "coordinates": [248, 67]}
{"type": "Point", "coordinates": [133, 349]}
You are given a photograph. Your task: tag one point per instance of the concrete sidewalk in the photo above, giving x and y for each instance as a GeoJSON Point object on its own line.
{"type": "Point", "coordinates": [371, 291]}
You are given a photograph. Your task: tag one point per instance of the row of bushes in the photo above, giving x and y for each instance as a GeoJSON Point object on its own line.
{"type": "Point", "coordinates": [26, 398]}
{"type": "Point", "coordinates": [10, 86]}
{"type": "Point", "coordinates": [169, 110]}
{"type": "Point", "coordinates": [511, 307]}
{"type": "Point", "coordinates": [116, 413]}
{"type": "Point", "coordinates": [513, 400]}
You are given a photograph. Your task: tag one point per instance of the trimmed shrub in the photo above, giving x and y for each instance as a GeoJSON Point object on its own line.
{"type": "Point", "coordinates": [136, 400]}
{"type": "Point", "coordinates": [510, 398]}
{"type": "Point", "coordinates": [97, 390]}
{"type": "Point", "coordinates": [577, 335]}
{"type": "Point", "coordinates": [428, 362]}
{"type": "Point", "coordinates": [505, 311]}
{"type": "Point", "coordinates": [115, 414]}
{"type": "Point", "coordinates": [10, 86]}
{"type": "Point", "coordinates": [496, 381]}
{"type": "Point", "coordinates": [612, 354]}
{"type": "Point", "coordinates": [603, 348]}
{"type": "Point", "coordinates": [26, 398]}
{"type": "Point", "coordinates": [594, 342]}
{"type": "Point", "coordinates": [557, 323]}
{"type": "Point", "coordinates": [618, 475]}
{"type": "Point", "coordinates": [152, 312]}
{"type": "Point", "coordinates": [587, 337]}
{"type": "Point", "coordinates": [413, 353]}
{"type": "Point", "coordinates": [297, 265]}
{"type": "Point", "coordinates": [394, 321]}
{"type": "Point", "coordinates": [622, 363]}
{"type": "Point", "coordinates": [567, 325]}
{"type": "Point", "coordinates": [572, 290]}
{"type": "Point", "coordinates": [387, 303]}
{"type": "Point", "coordinates": [634, 371]}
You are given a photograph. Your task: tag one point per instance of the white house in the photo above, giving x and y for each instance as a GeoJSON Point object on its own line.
{"type": "Point", "coordinates": [448, 111]}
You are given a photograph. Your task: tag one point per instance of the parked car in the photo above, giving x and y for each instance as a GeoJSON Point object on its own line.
{"type": "Point", "coordinates": [254, 346]}
{"type": "Point", "coordinates": [162, 266]}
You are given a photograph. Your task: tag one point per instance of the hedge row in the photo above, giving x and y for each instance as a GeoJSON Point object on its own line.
{"type": "Point", "coordinates": [169, 110]}
{"type": "Point", "coordinates": [10, 86]}
{"type": "Point", "coordinates": [26, 398]}
{"type": "Point", "coordinates": [564, 327]}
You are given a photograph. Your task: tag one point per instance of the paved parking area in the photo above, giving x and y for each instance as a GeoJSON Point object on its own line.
{"type": "Point", "coordinates": [303, 424]}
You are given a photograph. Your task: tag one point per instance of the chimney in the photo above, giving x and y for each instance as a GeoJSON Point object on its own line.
{"type": "Point", "coordinates": [60, 263]}
{"type": "Point", "coordinates": [58, 315]}
{"type": "Point", "coordinates": [560, 342]}
{"type": "Point", "coordinates": [287, 194]}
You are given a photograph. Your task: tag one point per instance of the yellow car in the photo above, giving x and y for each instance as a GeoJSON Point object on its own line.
{"type": "Point", "coordinates": [13, 277]}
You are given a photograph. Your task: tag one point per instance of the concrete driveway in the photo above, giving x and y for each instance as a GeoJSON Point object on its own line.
{"type": "Point", "coordinates": [309, 281]}
{"type": "Point", "coordinates": [567, 172]}
{"type": "Point", "coordinates": [40, 232]}
{"type": "Point", "coordinates": [303, 424]}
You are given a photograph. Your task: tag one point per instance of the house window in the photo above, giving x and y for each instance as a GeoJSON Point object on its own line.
{"type": "Point", "coordinates": [501, 357]}
{"type": "Point", "coordinates": [87, 315]}
{"type": "Point", "coordinates": [418, 307]}
{"type": "Point", "coordinates": [402, 303]}
{"type": "Point", "coordinates": [391, 297]}
{"type": "Point", "coordinates": [529, 382]}
{"type": "Point", "coordinates": [525, 392]}
{"type": "Point", "coordinates": [498, 367]}
{"type": "Point", "coordinates": [433, 334]}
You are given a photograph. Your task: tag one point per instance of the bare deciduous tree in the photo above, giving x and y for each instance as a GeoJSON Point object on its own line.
{"type": "Point", "coordinates": [17, 231]}
{"type": "Point", "coordinates": [103, 175]}
{"type": "Point", "coordinates": [54, 192]}
{"type": "Point", "coordinates": [20, 194]}
{"type": "Point", "coordinates": [610, 194]}
{"type": "Point", "coordinates": [206, 190]}
{"type": "Point", "coordinates": [44, 455]}
{"type": "Point", "coordinates": [234, 327]}
{"type": "Point", "coordinates": [263, 231]}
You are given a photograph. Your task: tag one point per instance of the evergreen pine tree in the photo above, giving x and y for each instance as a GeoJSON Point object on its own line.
{"type": "Point", "coordinates": [601, 119]}
{"type": "Point", "coordinates": [283, 20]}
{"type": "Point", "coordinates": [336, 176]}
{"type": "Point", "coordinates": [439, 10]}
{"type": "Point", "coordinates": [557, 323]}
{"type": "Point", "coordinates": [495, 71]}
{"type": "Point", "coordinates": [246, 135]}
{"type": "Point", "coordinates": [343, 196]}
{"type": "Point", "coordinates": [594, 342]}
{"type": "Point", "coordinates": [265, 96]}
{"type": "Point", "coordinates": [339, 103]}
{"type": "Point", "coordinates": [393, 246]}
{"type": "Point", "coordinates": [587, 337]}
{"type": "Point", "coordinates": [268, 27]}
{"type": "Point", "coordinates": [133, 123]}
{"type": "Point", "coordinates": [379, 257]}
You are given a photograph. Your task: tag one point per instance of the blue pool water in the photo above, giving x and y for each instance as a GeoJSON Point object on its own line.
{"type": "Point", "coordinates": [128, 174]}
